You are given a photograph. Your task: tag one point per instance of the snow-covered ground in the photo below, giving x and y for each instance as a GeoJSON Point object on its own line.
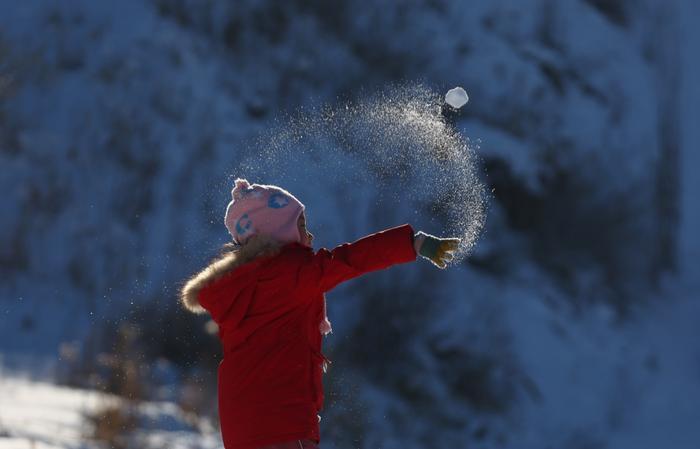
{"type": "Point", "coordinates": [40, 415]}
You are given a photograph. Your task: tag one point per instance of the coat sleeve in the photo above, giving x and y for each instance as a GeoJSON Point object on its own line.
{"type": "Point", "coordinates": [371, 253]}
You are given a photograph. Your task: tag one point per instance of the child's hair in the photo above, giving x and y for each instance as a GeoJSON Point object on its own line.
{"type": "Point", "coordinates": [228, 248]}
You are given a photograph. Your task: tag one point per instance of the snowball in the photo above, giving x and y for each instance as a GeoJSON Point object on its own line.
{"type": "Point", "coordinates": [456, 97]}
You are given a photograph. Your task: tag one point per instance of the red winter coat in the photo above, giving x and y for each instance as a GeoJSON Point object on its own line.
{"type": "Point", "coordinates": [268, 302]}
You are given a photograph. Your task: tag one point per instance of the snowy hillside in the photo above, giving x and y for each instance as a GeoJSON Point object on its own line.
{"type": "Point", "coordinates": [571, 325]}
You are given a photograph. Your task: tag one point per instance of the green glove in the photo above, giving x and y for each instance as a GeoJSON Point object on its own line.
{"type": "Point", "coordinates": [438, 251]}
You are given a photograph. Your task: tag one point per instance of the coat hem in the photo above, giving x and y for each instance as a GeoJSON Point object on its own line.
{"type": "Point", "coordinates": [275, 439]}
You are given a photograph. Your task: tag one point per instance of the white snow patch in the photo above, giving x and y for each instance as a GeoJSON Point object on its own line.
{"type": "Point", "coordinates": [41, 415]}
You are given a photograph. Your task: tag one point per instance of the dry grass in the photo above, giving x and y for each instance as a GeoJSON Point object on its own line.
{"type": "Point", "coordinates": [112, 424]}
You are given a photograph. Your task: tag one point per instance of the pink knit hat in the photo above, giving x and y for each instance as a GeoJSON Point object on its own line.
{"type": "Point", "coordinates": [262, 209]}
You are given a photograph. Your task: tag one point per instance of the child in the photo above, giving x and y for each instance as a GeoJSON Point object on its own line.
{"type": "Point", "coordinates": [266, 293]}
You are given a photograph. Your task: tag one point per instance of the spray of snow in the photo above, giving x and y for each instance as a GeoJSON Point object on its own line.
{"type": "Point", "coordinates": [400, 143]}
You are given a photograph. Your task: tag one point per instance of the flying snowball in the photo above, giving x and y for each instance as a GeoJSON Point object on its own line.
{"type": "Point", "coordinates": [456, 97]}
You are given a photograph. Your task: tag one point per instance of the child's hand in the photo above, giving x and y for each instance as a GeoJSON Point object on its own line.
{"type": "Point", "coordinates": [438, 251]}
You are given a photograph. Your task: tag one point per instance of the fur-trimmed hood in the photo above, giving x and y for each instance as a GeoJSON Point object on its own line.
{"type": "Point", "coordinates": [258, 246]}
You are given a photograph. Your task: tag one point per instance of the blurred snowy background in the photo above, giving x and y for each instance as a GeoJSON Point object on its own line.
{"type": "Point", "coordinates": [574, 324]}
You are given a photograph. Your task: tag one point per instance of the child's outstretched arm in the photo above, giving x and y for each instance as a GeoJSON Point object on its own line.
{"type": "Point", "coordinates": [379, 251]}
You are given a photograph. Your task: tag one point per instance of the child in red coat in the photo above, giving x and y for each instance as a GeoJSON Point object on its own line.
{"type": "Point", "coordinates": [266, 294]}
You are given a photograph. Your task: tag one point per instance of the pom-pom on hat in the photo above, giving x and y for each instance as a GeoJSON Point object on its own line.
{"type": "Point", "coordinates": [262, 209]}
